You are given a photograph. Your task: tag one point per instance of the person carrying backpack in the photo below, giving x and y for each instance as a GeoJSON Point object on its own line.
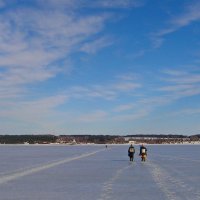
{"type": "Point", "coordinates": [131, 152]}
{"type": "Point", "coordinates": [143, 153]}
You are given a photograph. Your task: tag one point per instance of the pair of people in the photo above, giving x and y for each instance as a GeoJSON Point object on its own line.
{"type": "Point", "coordinates": [143, 152]}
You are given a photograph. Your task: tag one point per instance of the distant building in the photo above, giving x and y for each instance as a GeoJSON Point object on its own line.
{"type": "Point", "coordinates": [74, 141]}
{"type": "Point", "coordinates": [131, 142]}
{"type": "Point", "coordinates": [26, 143]}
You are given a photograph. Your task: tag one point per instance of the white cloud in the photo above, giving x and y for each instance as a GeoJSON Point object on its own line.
{"type": "Point", "coordinates": [124, 107]}
{"type": "Point", "coordinates": [179, 84]}
{"type": "Point", "coordinates": [41, 110]}
{"type": "Point", "coordinates": [75, 4]}
{"type": "Point", "coordinates": [176, 88]}
{"type": "Point", "coordinates": [126, 86]}
{"type": "Point", "coordinates": [94, 46]}
{"type": "Point", "coordinates": [10, 92]}
{"type": "Point", "coordinates": [107, 91]}
{"type": "Point", "coordinates": [92, 117]}
{"type": "Point", "coordinates": [190, 79]}
{"type": "Point", "coordinates": [32, 111]}
{"type": "Point", "coordinates": [34, 43]}
{"type": "Point", "coordinates": [87, 92]}
{"type": "Point", "coordinates": [189, 111]}
{"type": "Point", "coordinates": [189, 15]}
{"type": "Point", "coordinates": [23, 76]}
{"type": "Point", "coordinates": [175, 72]}
{"type": "Point", "coordinates": [132, 116]}
{"type": "Point", "coordinates": [117, 3]}
{"type": "Point", "coordinates": [28, 59]}
{"type": "Point", "coordinates": [2, 3]}
{"type": "Point", "coordinates": [156, 100]}
{"type": "Point", "coordinates": [128, 77]}
{"type": "Point", "coordinates": [182, 77]}
{"type": "Point", "coordinates": [32, 40]}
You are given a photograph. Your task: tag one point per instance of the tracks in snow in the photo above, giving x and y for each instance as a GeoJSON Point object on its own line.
{"type": "Point", "coordinates": [107, 190]}
{"type": "Point", "coordinates": [19, 174]}
{"type": "Point", "coordinates": [172, 187]}
{"type": "Point", "coordinates": [177, 157]}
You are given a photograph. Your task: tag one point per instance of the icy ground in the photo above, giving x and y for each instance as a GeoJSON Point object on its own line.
{"type": "Point", "coordinates": [96, 173]}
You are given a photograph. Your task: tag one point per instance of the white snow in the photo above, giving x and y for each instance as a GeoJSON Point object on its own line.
{"type": "Point", "coordinates": [93, 172]}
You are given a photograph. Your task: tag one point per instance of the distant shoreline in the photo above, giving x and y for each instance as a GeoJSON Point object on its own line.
{"type": "Point", "coordinates": [98, 139]}
{"type": "Point", "coordinates": [125, 144]}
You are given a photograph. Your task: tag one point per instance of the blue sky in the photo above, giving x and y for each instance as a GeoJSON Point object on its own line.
{"type": "Point", "coordinates": [99, 67]}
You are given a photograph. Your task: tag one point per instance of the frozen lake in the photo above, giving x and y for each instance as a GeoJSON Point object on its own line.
{"type": "Point", "coordinates": [95, 173]}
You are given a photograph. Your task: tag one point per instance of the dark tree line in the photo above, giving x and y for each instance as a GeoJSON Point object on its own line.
{"type": "Point", "coordinates": [97, 139]}
{"type": "Point", "coordinates": [32, 139]}
{"type": "Point", "coordinates": [158, 136]}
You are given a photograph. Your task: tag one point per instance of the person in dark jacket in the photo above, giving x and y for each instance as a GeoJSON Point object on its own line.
{"type": "Point", "coordinates": [143, 153]}
{"type": "Point", "coordinates": [131, 152]}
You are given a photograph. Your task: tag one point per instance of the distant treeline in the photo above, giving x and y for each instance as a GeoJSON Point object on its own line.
{"type": "Point", "coordinates": [158, 136]}
{"type": "Point", "coordinates": [31, 139]}
{"type": "Point", "coordinates": [97, 139]}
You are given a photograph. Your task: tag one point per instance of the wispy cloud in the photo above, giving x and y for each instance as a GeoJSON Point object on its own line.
{"type": "Point", "coordinates": [32, 107]}
{"type": "Point", "coordinates": [92, 4]}
{"type": "Point", "coordinates": [188, 111]}
{"type": "Point", "coordinates": [177, 84]}
{"type": "Point", "coordinates": [126, 86]}
{"type": "Point", "coordinates": [190, 14]}
{"type": "Point", "coordinates": [182, 77]}
{"type": "Point", "coordinates": [129, 76]}
{"type": "Point", "coordinates": [156, 100]}
{"type": "Point", "coordinates": [92, 117]}
{"type": "Point", "coordinates": [33, 40]}
{"type": "Point", "coordinates": [132, 116]}
{"type": "Point", "coordinates": [34, 44]}
{"type": "Point", "coordinates": [176, 88]}
{"type": "Point", "coordinates": [38, 44]}
{"type": "Point", "coordinates": [41, 110]}
{"type": "Point", "coordinates": [118, 3]}
{"type": "Point", "coordinates": [33, 116]}
{"type": "Point", "coordinates": [94, 46]}
{"type": "Point", "coordinates": [124, 107]}
{"type": "Point", "coordinates": [181, 83]}
{"type": "Point", "coordinates": [109, 91]}
{"type": "Point", "coordinates": [2, 3]}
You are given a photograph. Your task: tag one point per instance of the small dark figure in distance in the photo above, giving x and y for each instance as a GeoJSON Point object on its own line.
{"type": "Point", "coordinates": [143, 153]}
{"type": "Point", "coordinates": [131, 151]}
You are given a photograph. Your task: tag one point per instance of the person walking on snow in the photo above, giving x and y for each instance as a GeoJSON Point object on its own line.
{"type": "Point", "coordinates": [131, 151]}
{"type": "Point", "coordinates": [143, 153]}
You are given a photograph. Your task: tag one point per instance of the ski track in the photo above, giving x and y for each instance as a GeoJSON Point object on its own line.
{"type": "Point", "coordinates": [20, 173]}
{"type": "Point", "coordinates": [107, 190]}
{"type": "Point", "coordinates": [171, 186]}
{"type": "Point", "coordinates": [176, 157]}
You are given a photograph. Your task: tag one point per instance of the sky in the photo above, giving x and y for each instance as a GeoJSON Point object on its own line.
{"type": "Point", "coordinates": [99, 67]}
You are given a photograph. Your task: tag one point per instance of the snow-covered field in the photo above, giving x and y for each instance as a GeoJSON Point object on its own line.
{"type": "Point", "coordinates": [95, 173]}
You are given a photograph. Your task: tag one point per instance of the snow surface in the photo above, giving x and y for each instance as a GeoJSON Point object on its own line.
{"type": "Point", "coordinates": [92, 172]}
